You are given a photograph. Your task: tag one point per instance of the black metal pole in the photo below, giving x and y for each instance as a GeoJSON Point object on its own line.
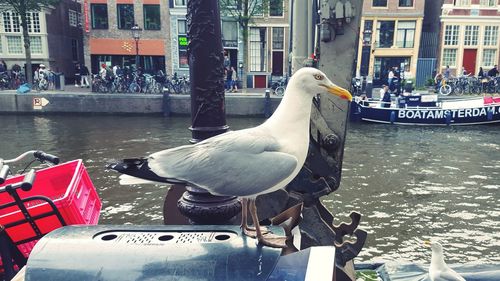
{"type": "Point", "coordinates": [208, 117]}
{"type": "Point", "coordinates": [206, 69]}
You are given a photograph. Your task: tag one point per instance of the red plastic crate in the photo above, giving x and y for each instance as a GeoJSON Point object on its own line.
{"type": "Point", "coordinates": [71, 190]}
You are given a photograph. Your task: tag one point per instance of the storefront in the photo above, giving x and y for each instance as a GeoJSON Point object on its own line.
{"type": "Point", "coordinates": [123, 53]}
{"type": "Point", "coordinates": [150, 64]}
{"type": "Point", "coordinates": [383, 65]}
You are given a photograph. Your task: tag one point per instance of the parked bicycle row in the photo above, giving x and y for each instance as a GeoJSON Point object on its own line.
{"type": "Point", "coordinates": [468, 85]}
{"type": "Point", "coordinates": [11, 80]}
{"type": "Point", "coordinates": [136, 82]}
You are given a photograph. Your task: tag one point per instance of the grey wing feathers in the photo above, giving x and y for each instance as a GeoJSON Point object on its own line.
{"type": "Point", "coordinates": [239, 163]}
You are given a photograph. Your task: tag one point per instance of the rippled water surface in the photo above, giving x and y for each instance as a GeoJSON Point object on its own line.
{"type": "Point", "coordinates": [409, 183]}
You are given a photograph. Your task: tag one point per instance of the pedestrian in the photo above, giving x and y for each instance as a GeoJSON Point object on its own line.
{"type": "Point", "coordinates": [102, 72]}
{"type": "Point", "coordinates": [51, 79]}
{"type": "Point", "coordinates": [447, 73]}
{"type": "Point", "coordinates": [438, 79]}
{"type": "Point", "coordinates": [227, 61]}
{"type": "Point", "coordinates": [390, 78]}
{"type": "Point", "coordinates": [234, 81]}
{"type": "Point", "coordinates": [229, 78]}
{"type": "Point", "coordinates": [3, 66]}
{"type": "Point", "coordinates": [382, 91]}
{"type": "Point", "coordinates": [77, 74]}
{"type": "Point", "coordinates": [493, 72]}
{"type": "Point", "coordinates": [84, 76]}
{"type": "Point", "coordinates": [386, 98]}
{"type": "Point", "coordinates": [480, 74]}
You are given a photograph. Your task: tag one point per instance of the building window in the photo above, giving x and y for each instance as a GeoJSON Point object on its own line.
{"type": "Point", "coordinates": [385, 30]}
{"type": "Point", "coordinates": [278, 51]}
{"type": "Point", "coordinates": [6, 22]}
{"type": "Point", "coordinates": [489, 56]}
{"type": "Point", "coordinates": [230, 34]}
{"type": "Point", "coordinates": [490, 35]}
{"type": "Point", "coordinates": [11, 22]}
{"type": "Point", "coordinates": [278, 38]}
{"type": "Point", "coordinates": [99, 13]}
{"type": "Point", "coordinates": [406, 34]}
{"type": "Point", "coordinates": [73, 18]}
{"type": "Point", "coordinates": [449, 57]}
{"type": "Point", "coordinates": [36, 45]}
{"type": "Point", "coordinates": [451, 35]}
{"type": "Point", "coordinates": [379, 3]}
{"type": "Point", "coordinates": [462, 3]}
{"type": "Point", "coordinates": [152, 19]}
{"type": "Point", "coordinates": [182, 43]}
{"type": "Point", "coordinates": [14, 45]}
{"type": "Point", "coordinates": [125, 16]}
{"type": "Point", "coordinates": [257, 49]}
{"type": "Point", "coordinates": [257, 7]}
{"type": "Point", "coordinates": [276, 8]}
{"type": "Point", "coordinates": [34, 23]}
{"type": "Point", "coordinates": [471, 35]}
{"type": "Point", "coordinates": [405, 3]}
{"type": "Point", "coordinates": [74, 49]}
{"type": "Point", "coordinates": [16, 23]}
{"type": "Point", "coordinates": [488, 3]}
{"type": "Point", "coordinates": [180, 3]}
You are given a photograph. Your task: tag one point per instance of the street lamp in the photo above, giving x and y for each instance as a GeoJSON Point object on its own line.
{"type": "Point", "coordinates": [136, 34]}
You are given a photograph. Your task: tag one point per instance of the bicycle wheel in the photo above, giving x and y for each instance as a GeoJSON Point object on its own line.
{"type": "Point", "coordinates": [158, 89]}
{"type": "Point", "coordinates": [458, 90]}
{"type": "Point", "coordinates": [280, 91]}
{"type": "Point", "coordinates": [134, 88]}
{"type": "Point", "coordinates": [445, 90]}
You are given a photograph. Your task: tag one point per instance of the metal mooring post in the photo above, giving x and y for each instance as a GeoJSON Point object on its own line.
{"type": "Point", "coordinates": [267, 104]}
{"type": "Point", "coordinates": [208, 117]}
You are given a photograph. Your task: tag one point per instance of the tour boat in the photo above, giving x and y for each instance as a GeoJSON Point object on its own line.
{"type": "Point", "coordinates": [427, 109]}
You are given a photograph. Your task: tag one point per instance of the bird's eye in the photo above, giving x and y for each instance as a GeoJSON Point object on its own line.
{"type": "Point", "coordinates": [318, 77]}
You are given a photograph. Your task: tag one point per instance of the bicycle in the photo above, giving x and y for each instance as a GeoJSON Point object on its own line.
{"type": "Point", "coordinates": [13, 259]}
{"type": "Point", "coordinates": [445, 88]}
{"type": "Point", "coordinates": [279, 86]}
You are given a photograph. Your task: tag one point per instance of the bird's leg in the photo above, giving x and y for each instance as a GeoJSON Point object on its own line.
{"type": "Point", "coordinates": [248, 230]}
{"type": "Point", "coordinates": [271, 241]}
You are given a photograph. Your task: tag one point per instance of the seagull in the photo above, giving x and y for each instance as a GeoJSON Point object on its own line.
{"type": "Point", "coordinates": [243, 163]}
{"type": "Point", "coordinates": [438, 270]}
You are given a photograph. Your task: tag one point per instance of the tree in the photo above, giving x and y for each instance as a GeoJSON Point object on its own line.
{"type": "Point", "coordinates": [22, 8]}
{"type": "Point", "coordinates": [244, 12]}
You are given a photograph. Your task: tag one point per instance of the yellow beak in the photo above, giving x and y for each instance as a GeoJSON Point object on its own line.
{"type": "Point", "coordinates": [427, 243]}
{"type": "Point", "coordinates": [338, 91]}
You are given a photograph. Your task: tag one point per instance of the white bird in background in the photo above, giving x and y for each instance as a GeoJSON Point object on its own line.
{"type": "Point", "coordinates": [244, 163]}
{"type": "Point", "coordinates": [438, 270]}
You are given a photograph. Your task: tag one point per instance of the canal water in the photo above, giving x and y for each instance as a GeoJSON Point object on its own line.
{"type": "Point", "coordinates": [409, 183]}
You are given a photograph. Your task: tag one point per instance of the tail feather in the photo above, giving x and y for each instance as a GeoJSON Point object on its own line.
{"type": "Point", "coordinates": [128, 180]}
{"type": "Point", "coordinates": [137, 171]}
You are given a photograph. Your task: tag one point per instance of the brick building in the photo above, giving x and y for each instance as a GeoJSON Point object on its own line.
{"type": "Point", "coordinates": [390, 37]}
{"type": "Point", "coordinates": [268, 43]}
{"type": "Point", "coordinates": [469, 35]}
{"type": "Point", "coordinates": [108, 38]}
{"type": "Point", "coordinates": [56, 37]}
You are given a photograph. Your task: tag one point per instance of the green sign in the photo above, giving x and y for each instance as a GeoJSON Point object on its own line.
{"type": "Point", "coordinates": [183, 41]}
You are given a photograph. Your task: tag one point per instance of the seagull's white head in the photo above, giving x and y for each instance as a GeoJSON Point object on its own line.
{"type": "Point", "coordinates": [313, 81]}
{"type": "Point", "coordinates": [434, 245]}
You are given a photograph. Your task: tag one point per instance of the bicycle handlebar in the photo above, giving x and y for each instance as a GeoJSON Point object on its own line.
{"type": "Point", "coordinates": [25, 185]}
{"type": "Point", "coordinates": [42, 156]}
{"type": "Point", "coordinates": [4, 171]}
{"type": "Point", "coordinates": [38, 154]}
